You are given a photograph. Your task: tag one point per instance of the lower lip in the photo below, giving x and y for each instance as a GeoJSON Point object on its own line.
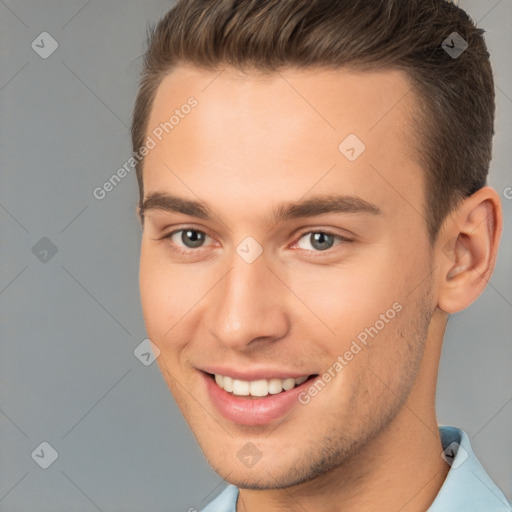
{"type": "Point", "coordinates": [254, 411]}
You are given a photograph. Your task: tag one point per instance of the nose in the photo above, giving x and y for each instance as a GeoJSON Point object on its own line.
{"type": "Point", "coordinates": [248, 305]}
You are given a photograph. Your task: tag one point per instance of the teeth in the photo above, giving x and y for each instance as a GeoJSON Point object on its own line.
{"type": "Point", "coordinates": [241, 387]}
{"type": "Point", "coordinates": [288, 384]}
{"type": "Point", "coordinates": [258, 388]}
{"type": "Point", "coordinates": [228, 384]}
{"type": "Point", "coordinates": [261, 387]}
{"type": "Point", "coordinates": [275, 386]}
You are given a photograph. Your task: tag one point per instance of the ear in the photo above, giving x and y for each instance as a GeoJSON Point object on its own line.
{"type": "Point", "coordinates": [467, 248]}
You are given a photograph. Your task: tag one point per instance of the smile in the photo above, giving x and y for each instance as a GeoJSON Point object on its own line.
{"type": "Point", "coordinates": [255, 402]}
{"type": "Point", "coordinates": [257, 388]}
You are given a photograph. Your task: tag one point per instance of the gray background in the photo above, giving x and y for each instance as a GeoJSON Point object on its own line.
{"type": "Point", "coordinates": [69, 326]}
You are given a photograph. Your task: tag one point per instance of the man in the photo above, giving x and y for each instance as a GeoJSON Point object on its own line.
{"type": "Point", "coordinates": [314, 206]}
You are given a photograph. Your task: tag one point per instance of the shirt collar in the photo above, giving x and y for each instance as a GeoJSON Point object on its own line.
{"type": "Point", "coordinates": [467, 486]}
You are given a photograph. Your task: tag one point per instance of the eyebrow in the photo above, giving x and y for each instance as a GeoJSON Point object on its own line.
{"type": "Point", "coordinates": [318, 205]}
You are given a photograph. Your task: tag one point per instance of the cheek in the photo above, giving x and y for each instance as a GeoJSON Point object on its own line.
{"type": "Point", "coordinates": [162, 308]}
{"type": "Point", "coordinates": [171, 294]}
{"type": "Point", "coordinates": [160, 292]}
{"type": "Point", "coordinates": [353, 297]}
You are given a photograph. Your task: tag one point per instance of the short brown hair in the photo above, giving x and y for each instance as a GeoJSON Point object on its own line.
{"type": "Point", "coordinates": [454, 124]}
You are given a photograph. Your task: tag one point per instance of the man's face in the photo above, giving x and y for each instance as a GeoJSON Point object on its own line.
{"type": "Point", "coordinates": [213, 304]}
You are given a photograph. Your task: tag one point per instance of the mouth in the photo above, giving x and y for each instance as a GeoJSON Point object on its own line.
{"type": "Point", "coordinates": [255, 402]}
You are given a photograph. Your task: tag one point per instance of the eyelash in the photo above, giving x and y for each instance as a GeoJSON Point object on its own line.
{"type": "Point", "coordinates": [190, 252]}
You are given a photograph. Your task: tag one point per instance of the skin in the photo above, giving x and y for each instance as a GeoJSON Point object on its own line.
{"type": "Point", "coordinates": [256, 141]}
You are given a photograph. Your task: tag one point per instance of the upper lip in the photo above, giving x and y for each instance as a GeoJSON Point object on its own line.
{"type": "Point", "coordinates": [251, 374]}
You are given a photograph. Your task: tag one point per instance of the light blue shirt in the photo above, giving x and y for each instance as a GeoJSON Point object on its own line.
{"type": "Point", "coordinates": [467, 487]}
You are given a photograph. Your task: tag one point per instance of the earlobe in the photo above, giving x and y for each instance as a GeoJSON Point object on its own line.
{"type": "Point", "coordinates": [467, 249]}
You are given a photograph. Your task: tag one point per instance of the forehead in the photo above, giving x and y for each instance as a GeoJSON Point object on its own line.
{"type": "Point", "coordinates": [254, 135]}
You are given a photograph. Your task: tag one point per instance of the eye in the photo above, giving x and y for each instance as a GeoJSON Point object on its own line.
{"type": "Point", "coordinates": [187, 238]}
{"type": "Point", "coordinates": [320, 240]}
